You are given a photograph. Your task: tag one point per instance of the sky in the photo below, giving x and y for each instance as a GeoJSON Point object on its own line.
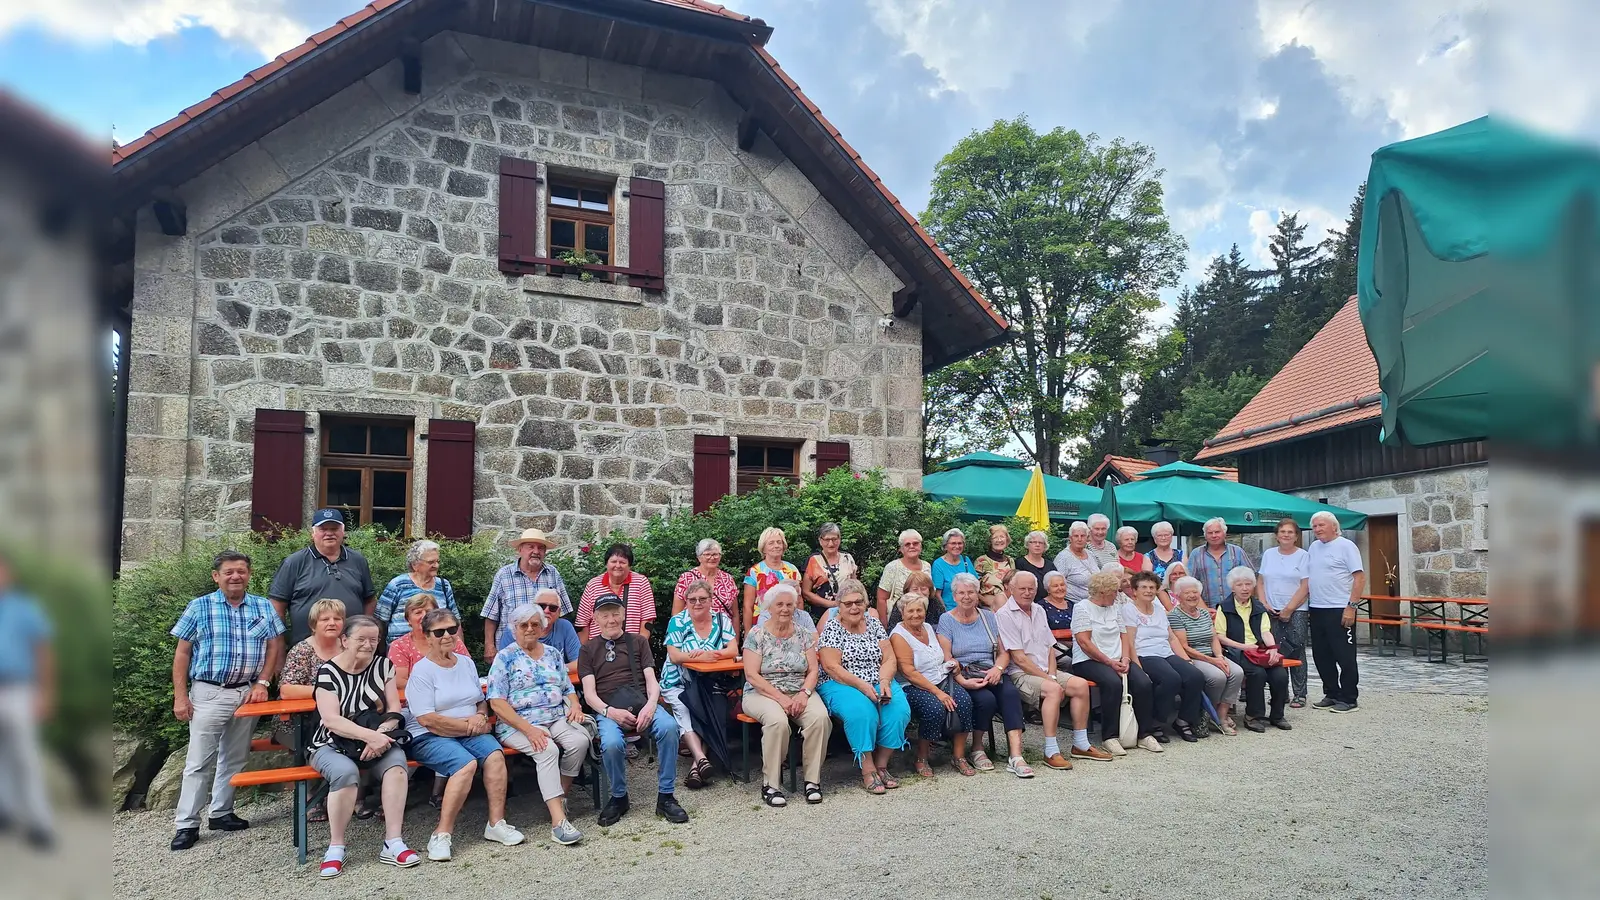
{"type": "Point", "coordinates": [1254, 107]}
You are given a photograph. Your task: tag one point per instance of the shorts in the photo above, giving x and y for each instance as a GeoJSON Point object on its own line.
{"type": "Point", "coordinates": [1031, 687]}
{"type": "Point", "coordinates": [341, 772]}
{"type": "Point", "coordinates": [449, 755]}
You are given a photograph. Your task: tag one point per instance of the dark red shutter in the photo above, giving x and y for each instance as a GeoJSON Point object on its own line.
{"type": "Point", "coordinates": [278, 474]}
{"type": "Point", "coordinates": [712, 469]}
{"type": "Point", "coordinates": [831, 455]}
{"type": "Point", "coordinates": [519, 214]}
{"type": "Point", "coordinates": [451, 466]}
{"type": "Point", "coordinates": [647, 233]}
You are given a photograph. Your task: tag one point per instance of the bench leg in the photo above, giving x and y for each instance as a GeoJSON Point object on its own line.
{"type": "Point", "coordinates": [744, 748]}
{"type": "Point", "coordinates": [794, 762]}
{"type": "Point", "coordinates": [300, 824]}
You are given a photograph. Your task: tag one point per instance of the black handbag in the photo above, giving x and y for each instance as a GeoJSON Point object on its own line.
{"type": "Point", "coordinates": [979, 671]}
{"type": "Point", "coordinates": [952, 717]}
{"type": "Point", "coordinates": [630, 696]}
{"type": "Point", "coordinates": [354, 747]}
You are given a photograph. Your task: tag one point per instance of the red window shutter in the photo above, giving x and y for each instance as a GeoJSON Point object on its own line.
{"type": "Point", "coordinates": [519, 214]}
{"type": "Point", "coordinates": [451, 466]}
{"type": "Point", "coordinates": [713, 467]}
{"type": "Point", "coordinates": [831, 455]}
{"type": "Point", "coordinates": [278, 475]}
{"type": "Point", "coordinates": [647, 233]}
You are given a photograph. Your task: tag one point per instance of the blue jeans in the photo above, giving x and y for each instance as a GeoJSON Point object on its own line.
{"type": "Point", "coordinates": [613, 755]}
{"type": "Point", "coordinates": [867, 724]}
{"type": "Point", "coordinates": [449, 755]}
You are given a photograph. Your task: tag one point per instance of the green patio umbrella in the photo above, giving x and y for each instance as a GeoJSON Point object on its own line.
{"type": "Point", "coordinates": [1183, 493]}
{"type": "Point", "coordinates": [992, 486]}
{"type": "Point", "coordinates": [1109, 506]}
{"type": "Point", "coordinates": [1477, 268]}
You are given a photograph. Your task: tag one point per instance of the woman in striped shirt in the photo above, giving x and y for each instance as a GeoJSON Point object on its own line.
{"type": "Point", "coordinates": [1197, 637]}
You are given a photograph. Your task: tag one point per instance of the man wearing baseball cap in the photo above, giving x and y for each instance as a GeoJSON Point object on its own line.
{"type": "Point", "coordinates": [326, 569]}
{"type": "Point", "coordinates": [520, 582]}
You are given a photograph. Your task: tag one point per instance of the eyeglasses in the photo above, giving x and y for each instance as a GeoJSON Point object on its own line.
{"type": "Point", "coordinates": [447, 631]}
{"type": "Point", "coordinates": [697, 601]}
{"type": "Point", "coordinates": [550, 607]}
{"type": "Point", "coordinates": [528, 625]}
{"type": "Point", "coordinates": [852, 603]}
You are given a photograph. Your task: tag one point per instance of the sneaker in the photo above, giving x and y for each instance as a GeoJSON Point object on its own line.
{"type": "Point", "coordinates": [439, 847]}
{"type": "Point", "coordinates": [1057, 761]}
{"type": "Point", "coordinates": [1019, 767]}
{"type": "Point", "coordinates": [667, 808]}
{"type": "Point", "coordinates": [1093, 753]}
{"type": "Point", "coordinates": [1324, 703]}
{"type": "Point", "coordinates": [408, 857]}
{"type": "Point", "coordinates": [614, 810]}
{"type": "Point", "coordinates": [1343, 707]}
{"type": "Point", "coordinates": [566, 833]}
{"type": "Point", "coordinates": [1149, 742]}
{"type": "Point", "coordinates": [1114, 747]}
{"type": "Point", "coordinates": [504, 833]}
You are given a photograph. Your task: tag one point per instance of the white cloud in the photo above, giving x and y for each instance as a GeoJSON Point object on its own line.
{"type": "Point", "coordinates": [268, 26]}
{"type": "Point", "coordinates": [1263, 225]}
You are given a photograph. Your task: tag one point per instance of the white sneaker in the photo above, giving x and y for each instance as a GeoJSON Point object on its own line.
{"type": "Point", "coordinates": [1113, 747]}
{"type": "Point", "coordinates": [503, 832]}
{"type": "Point", "coordinates": [1150, 743]}
{"type": "Point", "coordinates": [439, 847]}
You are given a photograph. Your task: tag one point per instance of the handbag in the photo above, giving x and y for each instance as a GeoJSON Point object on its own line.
{"type": "Point", "coordinates": [630, 697]}
{"type": "Point", "coordinates": [976, 670]}
{"type": "Point", "coordinates": [1261, 656]}
{"type": "Point", "coordinates": [1128, 725]}
{"type": "Point", "coordinates": [952, 717]}
{"type": "Point", "coordinates": [354, 747]}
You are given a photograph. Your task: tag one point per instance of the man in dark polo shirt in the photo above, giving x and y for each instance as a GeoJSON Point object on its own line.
{"type": "Point", "coordinates": [327, 568]}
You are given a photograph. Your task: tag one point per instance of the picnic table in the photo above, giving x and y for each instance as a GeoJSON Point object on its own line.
{"type": "Point", "coordinates": [1430, 616]}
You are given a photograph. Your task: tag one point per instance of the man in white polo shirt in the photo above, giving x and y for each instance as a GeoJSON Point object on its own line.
{"type": "Point", "coordinates": [1337, 580]}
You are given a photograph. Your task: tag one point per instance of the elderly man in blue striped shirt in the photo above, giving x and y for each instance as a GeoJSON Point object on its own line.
{"type": "Point", "coordinates": [1211, 563]}
{"type": "Point", "coordinates": [230, 644]}
{"type": "Point", "coordinates": [519, 583]}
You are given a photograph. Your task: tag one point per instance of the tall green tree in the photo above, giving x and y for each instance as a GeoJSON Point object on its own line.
{"type": "Point", "coordinates": [1067, 237]}
{"type": "Point", "coordinates": [1207, 407]}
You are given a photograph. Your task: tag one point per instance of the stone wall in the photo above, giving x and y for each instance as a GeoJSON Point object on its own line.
{"type": "Point", "coordinates": [346, 263]}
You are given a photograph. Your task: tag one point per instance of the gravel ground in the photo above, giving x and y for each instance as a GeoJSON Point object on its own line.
{"type": "Point", "coordinates": [1388, 802]}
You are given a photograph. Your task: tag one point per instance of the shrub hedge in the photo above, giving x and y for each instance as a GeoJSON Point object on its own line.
{"type": "Point", "coordinates": [870, 514]}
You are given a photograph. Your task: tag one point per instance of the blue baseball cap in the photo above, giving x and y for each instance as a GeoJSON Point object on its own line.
{"type": "Point", "coordinates": [326, 515]}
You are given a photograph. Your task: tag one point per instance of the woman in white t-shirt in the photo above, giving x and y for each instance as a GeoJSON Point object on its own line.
{"type": "Point", "coordinates": [1102, 652]}
{"type": "Point", "coordinates": [1178, 685]}
{"type": "Point", "coordinates": [1285, 584]}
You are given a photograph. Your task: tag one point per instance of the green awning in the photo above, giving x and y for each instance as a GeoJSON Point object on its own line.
{"type": "Point", "coordinates": [993, 485]}
{"type": "Point", "coordinates": [1186, 494]}
{"type": "Point", "coordinates": [1446, 321]}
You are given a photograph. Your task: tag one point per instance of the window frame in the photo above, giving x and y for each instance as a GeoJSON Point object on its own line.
{"type": "Point", "coordinates": [367, 464]}
{"type": "Point", "coordinates": [581, 217]}
{"type": "Point", "coordinates": [746, 480]}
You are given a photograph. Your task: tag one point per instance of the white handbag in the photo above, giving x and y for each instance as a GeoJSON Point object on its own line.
{"type": "Point", "coordinates": [1128, 726]}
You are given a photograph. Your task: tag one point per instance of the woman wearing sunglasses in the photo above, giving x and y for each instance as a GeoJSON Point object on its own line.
{"type": "Point", "coordinates": [449, 724]}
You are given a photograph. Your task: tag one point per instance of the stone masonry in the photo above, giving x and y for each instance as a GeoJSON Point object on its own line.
{"type": "Point", "coordinates": [347, 263]}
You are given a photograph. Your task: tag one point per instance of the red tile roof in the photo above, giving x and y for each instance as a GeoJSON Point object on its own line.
{"type": "Point", "coordinates": [1134, 469]}
{"type": "Point", "coordinates": [1331, 383]}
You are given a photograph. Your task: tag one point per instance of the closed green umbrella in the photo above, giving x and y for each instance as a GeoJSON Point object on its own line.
{"type": "Point", "coordinates": [1478, 259]}
{"type": "Point", "coordinates": [1110, 508]}
{"type": "Point", "coordinates": [1182, 493]}
{"type": "Point", "coordinates": [992, 486]}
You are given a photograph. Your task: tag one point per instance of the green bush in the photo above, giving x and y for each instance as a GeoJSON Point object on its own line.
{"type": "Point", "coordinates": [147, 601]}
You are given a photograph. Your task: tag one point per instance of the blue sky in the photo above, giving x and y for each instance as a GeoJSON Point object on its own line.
{"type": "Point", "coordinates": [1253, 106]}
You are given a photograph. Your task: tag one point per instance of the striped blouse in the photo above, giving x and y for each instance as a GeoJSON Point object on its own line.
{"type": "Point", "coordinates": [1198, 628]}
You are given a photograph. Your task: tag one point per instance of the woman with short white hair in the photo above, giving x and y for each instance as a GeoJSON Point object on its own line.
{"type": "Point", "coordinates": [1244, 626]}
{"type": "Point", "coordinates": [1128, 555]}
{"type": "Point", "coordinates": [1034, 562]}
{"type": "Point", "coordinates": [1103, 550]}
{"type": "Point", "coordinates": [1176, 571]}
{"type": "Point", "coordinates": [892, 583]}
{"type": "Point", "coordinates": [724, 591]}
{"type": "Point", "coordinates": [1165, 552]}
{"type": "Point", "coordinates": [1194, 628]}
{"type": "Point", "coordinates": [699, 633]}
{"type": "Point", "coordinates": [1076, 563]}
{"type": "Point", "coordinates": [421, 577]}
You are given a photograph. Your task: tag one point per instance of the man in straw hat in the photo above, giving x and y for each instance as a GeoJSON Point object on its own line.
{"type": "Point", "coordinates": [520, 582]}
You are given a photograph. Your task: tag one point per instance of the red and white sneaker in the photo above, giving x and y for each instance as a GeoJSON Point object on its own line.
{"type": "Point", "coordinates": [331, 868]}
{"type": "Point", "coordinates": [405, 859]}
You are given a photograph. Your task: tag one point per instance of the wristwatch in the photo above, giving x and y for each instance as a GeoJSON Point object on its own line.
{"type": "Point", "coordinates": [808, 692]}
{"type": "Point", "coordinates": [263, 682]}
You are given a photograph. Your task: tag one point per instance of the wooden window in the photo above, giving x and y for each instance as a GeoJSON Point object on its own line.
{"type": "Point", "coordinates": [761, 460]}
{"type": "Point", "coordinates": [366, 471]}
{"type": "Point", "coordinates": [580, 218]}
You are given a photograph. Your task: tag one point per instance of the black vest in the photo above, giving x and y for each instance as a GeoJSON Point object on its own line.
{"type": "Point", "coordinates": [1261, 616]}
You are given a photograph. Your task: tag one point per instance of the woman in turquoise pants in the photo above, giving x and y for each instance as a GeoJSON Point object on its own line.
{"type": "Point", "coordinates": [858, 686]}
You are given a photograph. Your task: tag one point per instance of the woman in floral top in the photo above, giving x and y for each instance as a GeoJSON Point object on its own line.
{"type": "Point", "coordinates": [768, 572]}
{"type": "Point", "coordinates": [780, 672]}
{"type": "Point", "coordinates": [724, 590]}
{"type": "Point", "coordinates": [537, 713]}
{"type": "Point", "coordinates": [697, 633]}
{"type": "Point", "coordinates": [858, 669]}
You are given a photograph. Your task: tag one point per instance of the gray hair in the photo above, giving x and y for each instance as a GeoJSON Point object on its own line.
{"type": "Point", "coordinates": [528, 611]}
{"type": "Point", "coordinates": [1186, 582]}
{"type": "Point", "coordinates": [1241, 573]}
{"type": "Point", "coordinates": [910, 599]}
{"type": "Point", "coordinates": [1021, 575]}
{"type": "Point", "coordinates": [829, 528]}
{"type": "Point", "coordinates": [705, 546]}
{"type": "Point", "coordinates": [944, 542]}
{"type": "Point", "coordinates": [961, 579]}
{"type": "Point", "coordinates": [547, 590]}
{"type": "Point", "coordinates": [1053, 575]}
{"type": "Point", "coordinates": [1043, 536]}
{"type": "Point", "coordinates": [436, 616]}
{"type": "Point", "coordinates": [1324, 514]}
{"type": "Point", "coordinates": [907, 535]}
{"type": "Point", "coordinates": [1098, 519]}
{"type": "Point", "coordinates": [1075, 527]}
{"type": "Point", "coordinates": [785, 586]}
{"type": "Point", "coordinates": [1160, 527]}
{"type": "Point", "coordinates": [1127, 529]}
{"type": "Point", "coordinates": [1216, 520]}
{"type": "Point", "coordinates": [415, 551]}
{"type": "Point", "coordinates": [851, 586]}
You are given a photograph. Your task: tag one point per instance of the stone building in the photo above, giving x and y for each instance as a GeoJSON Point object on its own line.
{"type": "Point", "coordinates": [1313, 431]}
{"type": "Point", "coordinates": [465, 267]}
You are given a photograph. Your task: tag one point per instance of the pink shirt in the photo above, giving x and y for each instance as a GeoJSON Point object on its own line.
{"type": "Point", "coordinates": [1028, 632]}
{"type": "Point", "coordinates": [404, 653]}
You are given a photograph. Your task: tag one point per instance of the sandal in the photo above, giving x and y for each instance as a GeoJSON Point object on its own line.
{"type": "Point", "coordinates": [887, 780]}
{"type": "Point", "coordinates": [363, 811]}
{"type": "Point", "coordinates": [1297, 703]}
{"type": "Point", "coordinates": [963, 766]}
{"type": "Point", "coordinates": [813, 792]}
{"type": "Point", "coordinates": [317, 813]}
{"type": "Point", "coordinates": [773, 797]}
{"type": "Point", "coordinates": [696, 778]}
{"type": "Point", "coordinates": [873, 785]}
{"type": "Point", "coordinates": [923, 769]}
{"type": "Point", "coordinates": [980, 761]}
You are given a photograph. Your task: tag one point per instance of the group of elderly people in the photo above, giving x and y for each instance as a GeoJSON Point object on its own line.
{"type": "Point", "coordinates": [950, 643]}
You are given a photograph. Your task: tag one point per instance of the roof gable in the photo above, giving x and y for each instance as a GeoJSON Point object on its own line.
{"type": "Point", "coordinates": [1331, 383]}
{"type": "Point", "coordinates": [1129, 468]}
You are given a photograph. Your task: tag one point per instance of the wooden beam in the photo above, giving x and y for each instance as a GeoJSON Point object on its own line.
{"type": "Point", "coordinates": [172, 216]}
{"type": "Point", "coordinates": [748, 127]}
{"type": "Point", "coordinates": [905, 300]}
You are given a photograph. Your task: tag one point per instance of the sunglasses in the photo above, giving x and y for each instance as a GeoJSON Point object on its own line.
{"type": "Point", "coordinates": [697, 600]}
{"type": "Point", "coordinates": [447, 631]}
{"type": "Point", "coordinates": [611, 651]}
{"type": "Point", "coordinates": [550, 607]}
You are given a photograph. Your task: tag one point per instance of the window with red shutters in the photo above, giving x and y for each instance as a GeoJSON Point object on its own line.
{"type": "Point", "coordinates": [832, 455]}
{"type": "Point", "coordinates": [278, 478]}
{"type": "Point", "coordinates": [365, 471]}
{"type": "Point", "coordinates": [647, 233]}
{"type": "Point", "coordinates": [519, 215]}
{"type": "Point", "coordinates": [451, 469]}
{"type": "Point", "coordinates": [713, 469]}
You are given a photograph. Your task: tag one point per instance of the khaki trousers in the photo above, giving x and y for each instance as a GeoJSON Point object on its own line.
{"type": "Point", "coordinates": [815, 728]}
